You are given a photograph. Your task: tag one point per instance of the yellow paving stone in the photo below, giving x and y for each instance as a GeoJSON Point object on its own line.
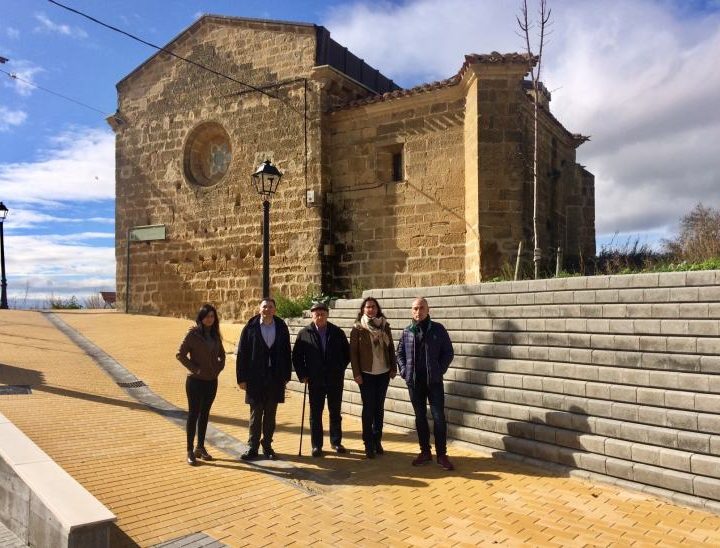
{"type": "Point", "coordinates": [132, 459]}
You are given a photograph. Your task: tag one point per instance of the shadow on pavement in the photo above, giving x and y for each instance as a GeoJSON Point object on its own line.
{"type": "Point", "coordinates": [352, 468]}
{"type": "Point", "coordinates": [120, 539]}
{"type": "Point", "coordinates": [9, 374]}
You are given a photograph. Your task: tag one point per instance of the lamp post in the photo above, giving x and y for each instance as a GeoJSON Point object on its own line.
{"type": "Point", "coordinates": [3, 280]}
{"type": "Point", "coordinates": [266, 179]}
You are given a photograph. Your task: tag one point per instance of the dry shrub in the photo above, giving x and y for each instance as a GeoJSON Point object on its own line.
{"type": "Point", "coordinates": [699, 238]}
{"type": "Point", "coordinates": [94, 301]}
{"type": "Point", "coordinates": [632, 256]}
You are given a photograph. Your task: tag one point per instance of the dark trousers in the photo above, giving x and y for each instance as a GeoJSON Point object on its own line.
{"type": "Point", "coordinates": [262, 420]}
{"type": "Point", "coordinates": [200, 395]}
{"type": "Point", "coordinates": [372, 391]}
{"type": "Point", "coordinates": [420, 394]}
{"type": "Point", "coordinates": [319, 390]}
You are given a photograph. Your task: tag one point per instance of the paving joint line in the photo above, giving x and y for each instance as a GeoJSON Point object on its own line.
{"type": "Point", "coordinates": [136, 388]}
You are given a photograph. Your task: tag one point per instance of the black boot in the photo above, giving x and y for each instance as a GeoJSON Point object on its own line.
{"type": "Point", "coordinates": [201, 453]}
{"type": "Point", "coordinates": [379, 448]}
{"type": "Point", "coordinates": [191, 460]}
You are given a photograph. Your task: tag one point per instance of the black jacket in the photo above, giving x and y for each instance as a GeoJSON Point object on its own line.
{"type": "Point", "coordinates": [310, 361]}
{"type": "Point", "coordinates": [264, 380]}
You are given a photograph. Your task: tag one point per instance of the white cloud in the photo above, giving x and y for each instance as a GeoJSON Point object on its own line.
{"type": "Point", "coordinates": [424, 39]}
{"type": "Point", "coordinates": [636, 75]}
{"type": "Point", "coordinates": [25, 71]}
{"type": "Point", "coordinates": [80, 166]}
{"type": "Point", "coordinates": [43, 265]}
{"type": "Point", "coordinates": [76, 171]}
{"type": "Point", "coordinates": [11, 118]}
{"type": "Point", "coordinates": [48, 25]}
{"type": "Point", "coordinates": [24, 217]}
{"type": "Point", "coordinates": [12, 33]}
{"type": "Point", "coordinates": [78, 237]}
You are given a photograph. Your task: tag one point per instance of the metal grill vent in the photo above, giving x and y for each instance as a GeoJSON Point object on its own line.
{"type": "Point", "coordinates": [134, 384]}
{"type": "Point", "coordinates": [195, 540]}
{"type": "Point", "coordinates": [14, 389]}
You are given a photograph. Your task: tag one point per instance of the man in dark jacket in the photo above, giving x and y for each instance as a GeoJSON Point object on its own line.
{"type": "Point", "coordinates": [424, 354]}
{"type": "Point", "coordinates": [320, 357]}
{"type": "Point", "coordinates": [263, 370]}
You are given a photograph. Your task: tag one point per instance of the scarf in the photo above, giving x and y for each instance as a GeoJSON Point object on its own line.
{"type": "Point", "coordinates": [380, 342]}
{"type": "Point", "coordinates": [376, 327]}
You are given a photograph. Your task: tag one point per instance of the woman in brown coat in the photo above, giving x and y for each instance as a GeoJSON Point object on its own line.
{"type": "Point", "coordinates": [372, 357]}
{"type": "Point", "coordinates": [202, 353]}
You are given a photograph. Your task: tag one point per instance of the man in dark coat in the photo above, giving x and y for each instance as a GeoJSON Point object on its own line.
{"type": "Point", "coordinates": [263, 370]}
{"type": "Point", "coordinates": [424, 354]}
{"type": "Point", "coordinates": [320, 357]}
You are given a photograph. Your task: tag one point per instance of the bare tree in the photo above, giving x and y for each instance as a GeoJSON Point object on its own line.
{"type": "Point", "coordinates": [525, 27]}
{"type": "Point", "coordinates": [699, 237]}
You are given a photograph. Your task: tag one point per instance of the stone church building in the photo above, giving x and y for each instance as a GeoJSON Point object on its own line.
{"type": "Point", "coordinates": [381, 186]}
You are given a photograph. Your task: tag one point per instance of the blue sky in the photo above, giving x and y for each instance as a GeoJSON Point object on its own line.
{"type": "Point", "coordinates": [639, 76]}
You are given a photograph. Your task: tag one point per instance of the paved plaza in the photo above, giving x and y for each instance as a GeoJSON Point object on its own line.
{"type": "Point", "coordinates": [130, 454]}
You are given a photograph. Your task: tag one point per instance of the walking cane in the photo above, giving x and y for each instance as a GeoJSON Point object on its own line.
{"type": "Point", "coordinates": [302, 420]}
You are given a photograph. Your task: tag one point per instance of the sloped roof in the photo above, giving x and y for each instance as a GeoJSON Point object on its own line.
{"type": "Point", "coordinates": [328, 51]}
{"type": "Point", "coordinates": [201, 20]}
{"type": "Point", "coordinates": [471, 59]}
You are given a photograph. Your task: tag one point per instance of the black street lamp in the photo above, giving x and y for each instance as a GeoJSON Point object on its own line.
{"type": "Point", "coordinates": [266, 180]}
{"type": "Point", "coordinates": [3, 280]}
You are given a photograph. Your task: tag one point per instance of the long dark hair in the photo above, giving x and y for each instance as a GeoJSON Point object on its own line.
{"type": "Point", "coordinates": [204, 311]}
{"type": "Point", "coordinates": [362, 308]}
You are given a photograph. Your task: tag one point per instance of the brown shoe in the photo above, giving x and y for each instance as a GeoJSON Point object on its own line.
{"type": "Point", "coordinates": [422, 458]}
{"type": "Point", "coordinates": [445, 463]}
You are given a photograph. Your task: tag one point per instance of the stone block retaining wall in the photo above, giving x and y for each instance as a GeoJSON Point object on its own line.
{"type": "Point", "coordinates": [616, 375]}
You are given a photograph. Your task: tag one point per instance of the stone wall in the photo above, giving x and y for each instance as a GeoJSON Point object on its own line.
{"type": "Point", "coordinates": [213, 251]}
{"type": "Point", "coordinates": [407, 232]}
{"type": "Point", "coordinates": [617, 376]}
{"type": "Point", "coordinates": [427, 186]}
{"type": "Point", "coordinates": [466, 197]}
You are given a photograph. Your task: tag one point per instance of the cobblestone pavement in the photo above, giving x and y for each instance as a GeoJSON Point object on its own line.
{"type": "Point", "coordinates": [132, 459]}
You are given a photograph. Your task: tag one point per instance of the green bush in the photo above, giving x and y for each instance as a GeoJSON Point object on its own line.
{"type": "Point", "coordinates": [566, 274]}
{"type": "Point", "coordinates": [685, 266]}
{"type": "Point", "coordinates": [294, 308]}
{"type": "Point", "coordinates": [291, 308]}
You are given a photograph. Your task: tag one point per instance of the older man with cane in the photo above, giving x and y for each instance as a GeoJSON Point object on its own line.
{"type": "Point", "coordinates": [320, 356]}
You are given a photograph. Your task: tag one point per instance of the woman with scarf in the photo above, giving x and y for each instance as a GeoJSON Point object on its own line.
{"type": "Point", "coordinates": [372, 357]}
{"type": "Point", "coordinates": [203, 355]}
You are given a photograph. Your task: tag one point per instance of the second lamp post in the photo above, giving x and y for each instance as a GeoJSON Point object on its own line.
{"type": "Point", "coordinates": [266, 180]}
{"type": "Point", "coordinates": [3, 279]}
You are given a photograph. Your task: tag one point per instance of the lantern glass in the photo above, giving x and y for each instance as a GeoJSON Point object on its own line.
{"type": "Point", "coordinates": [3, 212]}
{"type": "Point", "coordinates": [266, 179]}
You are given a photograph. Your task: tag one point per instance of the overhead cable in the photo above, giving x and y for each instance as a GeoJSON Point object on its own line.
{"type": "Point", "coordinates": [31, 84]}
{"type": "Point", "coordinates": [175, 55]}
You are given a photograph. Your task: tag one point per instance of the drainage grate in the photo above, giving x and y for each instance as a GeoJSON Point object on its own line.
{"type": "Point", "coordinates": [134, 384]}
{"type": "Point", "coordinates": [195, 540]}
{"type": "Point", "coordinates": [14, 389]}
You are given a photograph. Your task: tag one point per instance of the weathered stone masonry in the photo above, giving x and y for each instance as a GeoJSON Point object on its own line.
{"type": "Point", "coordinates": [425, 186]}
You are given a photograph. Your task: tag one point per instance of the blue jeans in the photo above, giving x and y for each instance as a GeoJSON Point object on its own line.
{"type": "Point", "coordinates": [420, 394]}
